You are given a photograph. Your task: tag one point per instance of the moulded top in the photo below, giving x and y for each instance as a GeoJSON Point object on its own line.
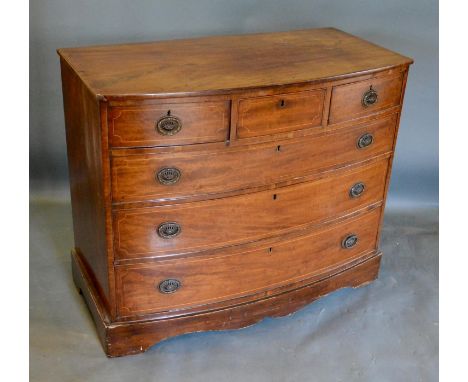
{"type": "Point", "coordinates": [211, 65]}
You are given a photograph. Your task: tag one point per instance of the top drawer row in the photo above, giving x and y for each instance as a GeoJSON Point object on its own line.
{"type": "Point", "coordinates": [186, 123]}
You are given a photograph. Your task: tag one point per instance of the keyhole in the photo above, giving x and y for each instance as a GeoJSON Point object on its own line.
{"type": "Point", "coordinates": [282, 103]}
{"type": "Point", "coordinates": [274, 196]}
{"type": "Point", "coordinates": [168, 112]}
{"type": "Point", "coordinates": [270, 250]}
{"type": "Point", "coordinates": [278, 148]}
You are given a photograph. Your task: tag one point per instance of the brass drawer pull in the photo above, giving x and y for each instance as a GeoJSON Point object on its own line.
{"type": "Point", "coordinates": [169, 230]}
{"type": "Point", "coordinates": [168, 125]}
{"type": "Point", "coordinates": [357, 190]}
{"type": "Point", "coordinates": [168, 175]}
{"type": "Point", "coordinates": [369, 98]}
{"type": "Point", "coordinates": [169, 286]}
{"type": "Point", "coordinates": [349, 241]}
{"type": "Point", "coordinates": [365, 140]}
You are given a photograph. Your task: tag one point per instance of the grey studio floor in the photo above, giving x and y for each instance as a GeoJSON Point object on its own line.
{"type": "Point", "coordinates": [386, 331]}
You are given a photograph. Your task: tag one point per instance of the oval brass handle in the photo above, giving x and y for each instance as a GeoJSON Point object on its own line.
{"type": "Point", "coordinates": [169, 286]}
{"type": "Point", "coordinates": [357, 189]}
{"type": "Point", "coordinates": [168, 230]}
{"type": "Point", "coordinates": [365, 140]}
{"type": "Point", "coordinates": [349, 241]}
{"type": "Point", "coordinates": [168, 125]}
{"type": "Point", "coordinates": [369, 97]}
{"type": "Point", "coordinates": [168, 175]}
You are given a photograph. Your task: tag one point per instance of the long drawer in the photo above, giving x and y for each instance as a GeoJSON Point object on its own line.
{"type": "Point", "coordinates": [174, 229]}
{"type": "Point", "coordinates": [184, 174]}
{"type": "Point", "coordinates": [176, 284]}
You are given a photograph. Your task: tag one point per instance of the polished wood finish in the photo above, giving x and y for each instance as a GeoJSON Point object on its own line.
{"type": "Point", "coordinates": [87, 178]}
{"type": "Point", "coordinates": [280, 113]}
{"type": "Point", "coordinates": [122, 338]}
{"type": "Point", "coordinates": [220, 277]}
{"type": "Point", "coordinates": [346, 102]}
{"type": "Point", "coordinates": [215, 65]}
{"type": "Point", "coordinates": [215, 223]}
{"type": "Point", "coordinates": [201, 122]}
{"type": "Point", "coordinates": [259, 157]}
{"type": "Point", "coordinates": [210, 172]}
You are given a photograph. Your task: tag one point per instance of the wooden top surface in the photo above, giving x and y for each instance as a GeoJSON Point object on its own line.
{"type": "Point", "coordinates": [211, 65]}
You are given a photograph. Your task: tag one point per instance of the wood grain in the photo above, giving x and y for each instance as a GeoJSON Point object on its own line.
{"type": "Point", "coordinates": [86, 178]}
{"type": "Point", "coordinates": [205, 173]}
{"type": "Point", "coordinates": [201, 122]}
{"type": "Point", "coordinates": [119, 339]}
{"type": "Point", "coordinates": [280, 113]}
{"type": "Point", "coordinates": [267, 154]}
{"type": "Point", "coordinates": [223, 277]}
{"type": "Point", "coordinates": [219, 64]}
{"type": "Point", "coordinates": [346, 101]}
{"type": "Point", "coordinates": [240, 219]}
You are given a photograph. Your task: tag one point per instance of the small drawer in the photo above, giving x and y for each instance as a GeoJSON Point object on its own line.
{"type": "Point", "coordinates": [168, 230]}
{"type": "Point", "coordinates": [181, 284]}
{"type": "Point", "coordinates": [169, 124]}
{"type": "Point", "coordinates": [187, 174]}
{"type": "Point", "coordinates": [363, 98]}
{"type": "Point", "coordinates": [280, 113]}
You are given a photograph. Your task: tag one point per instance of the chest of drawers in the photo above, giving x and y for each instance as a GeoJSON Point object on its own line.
{"type": "Point", "coordinates": [220, 180]}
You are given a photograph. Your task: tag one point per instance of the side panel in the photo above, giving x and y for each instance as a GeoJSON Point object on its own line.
{"type": "Point", "coordinates": [84, 146]}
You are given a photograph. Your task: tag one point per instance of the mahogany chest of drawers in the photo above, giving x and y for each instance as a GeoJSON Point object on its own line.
{"type": "Point", "coordinates": [220, 180]}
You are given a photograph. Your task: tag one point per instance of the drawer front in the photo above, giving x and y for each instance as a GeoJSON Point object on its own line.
{"type": "Point", "coordinates": [280, 113]}
{"type": "Point", "coordinates": [190, 227]}
{"type": "Point", "coordinates": [178, 175]}
{"type": "Point", "coordinates": [191, 282]}
{"type": "Point", "coordinates": [169, 124]}
{"type": "Point", "coordinates": [363, 98]}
